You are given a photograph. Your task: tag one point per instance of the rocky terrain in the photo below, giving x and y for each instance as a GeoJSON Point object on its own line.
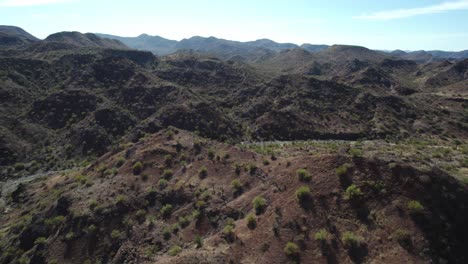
{"type": "Point", "coordinates": [232, 152]}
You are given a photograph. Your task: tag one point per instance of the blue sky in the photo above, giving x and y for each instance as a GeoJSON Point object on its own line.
{"type": "Point", "coordinates": [377, 24]}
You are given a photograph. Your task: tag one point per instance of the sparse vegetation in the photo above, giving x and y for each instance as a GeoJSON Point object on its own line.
{"type": "Point", "coordinates": [353, 193]}
{"type": "Point", "coordinates": [174, 250]}
{"type": "Point", "coordinates": [259, 204]}
{"type": "Point", "coordinates": [137, 168]}
{"type": "Point", "coordinates": [321, 236]}
{"type": "Point", "coordinates": [116, 234]}
{"type": "Point", "coordinates": [303, 175]}
{"type": "Point", "coordinates": [351, 240]}
{"type": "Point", "coordinates": [291, 249]}
{"type": "Point", "coordinates": [166, 210]}
{"type": "Point", "coordinates": [415, 207]}
{"type": "Point", "coordinates": [236, 185]}
{"type": "Point", "coordinates": [342, 170]}
{"type": "Point", "coordinates": [303, 193]}
{"type": "Point", "coordinates": [167, 173]}
{"type": "Point", "coordinates": [251, 221]}
{"type": "Point", "coordinates": [203, 172]}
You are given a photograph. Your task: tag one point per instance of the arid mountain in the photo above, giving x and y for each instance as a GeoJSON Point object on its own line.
{"type": "Point", "coordinates": [229, 152]}
{"type": "Point", "coordinates": [85, 40]}
{"type": "Point", "coordinates": [13, 36]}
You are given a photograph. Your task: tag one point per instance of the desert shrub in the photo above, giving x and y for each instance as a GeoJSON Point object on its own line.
{"type": "Point", "coordinates": [184, 221]}
{"type": "Point", "coordinates": [92, 204]}
{"type": "Point", "coordinates": [116, 234]}
{"type": "Point", "coordinates": [237, 168]}
{"type": "Point", "coordinates": [355, 152]}
{"type": "Point", "coordinates": [211, 154]}
{"type": "Point", "coordinates": [321, 236]}
{"type": "Point", "coordinates": [259, 204]}
{"type": "Point", "coordinates": [196, 214]}
{"type": "Point", "coordinates": [137, 168]}
{"type": "Point", "coordinates": [84, 180]}
{"type": "Point", "coordinates": [69, 236]}
{"type": "Point", "coordinates": [415, 207]}
{"type": "Point", "coordinates": [228, 232]}
{"type": "Point", "coordinates": [121, 199]}
{"type": "Point", "coordinates": [92, 229]}
{"type": "Point", "coordinates": [174, 250]}
{"type": "Point", "coordinates": [403, 237]}
{"type": "Point", "coordinates": [303, 193]}
{"type": "Point", "coordinates": [198, 241]}
{"type": "Point", "coordinates": [303, 175]}
{"type": "Point", "coordinates": [203, 172]}
{"type": "Point", "coordinates": [266, 162]}
{"type": "Point", "coordinates": [166, 210]}
{"type": "Point", "coordinates": [119, 162]}
{"type": "Point", "coordinates": [168, 160]}
{"type": "Point", "coordinates": [175, 228]}
{"type": "Point", "coordinates": [351, 240]}
{"type": "Point", "coordinates": [353, 192]}
{"type": "Point", "coordinates": [167, 233]}
{"type": "Point", "coordinates": [251, 221]}
{"type": "Point", "coordinates": [19, 166]}
{"type": "Point", "coordinates": [140, 215]}
{"type": "Point", "coordinates": [162, 183]}
{"type": "Point", "coordinates": [236, 185]}
{"type": "Point", "coordinates": [342, 170]}
{"type": "Point", "coordinates": [54, 221]}
{"type": "Point", "coordinates": [40, 241]}
{"type": "Point", "coordinates": [252, 169]}
{"type": "Point", "coordinates": [291, 249]}
{"type": "Point", "coordinates": [167, 173]}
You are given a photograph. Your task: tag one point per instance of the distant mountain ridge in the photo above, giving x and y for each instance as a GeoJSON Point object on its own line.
{"type": "Point", "coordinates": [250, 51]}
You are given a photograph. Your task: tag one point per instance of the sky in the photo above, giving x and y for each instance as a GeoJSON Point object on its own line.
{"type": "Point", "coordinates": [376, 24]}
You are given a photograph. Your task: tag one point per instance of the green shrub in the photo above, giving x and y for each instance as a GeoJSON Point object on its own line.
{"type": "Point", "coordinates": [403, 237]}
{"type": "Point", "coordinates": [174, 250]}
{"type": "Point", "coordinates": [251, 221]}
{"type": "Point", "coordinates": [40, 241]}
{"type": "Point", "coordinates": [415, 207]}
{"type": "Point", "coordinates": [236, 185]}
{"type": "Point", "coordinates": [321, 235]}
{"type": "Point", "coordinates": [116, 234]}
{"type": "Point", "coordinates": [175, 228]}
{"type": "Point", "coordinates": [259, 204]}
{"type": "Point", "coordinates": [252, 169]}
{"type": "Point", "coordinates": [184, 221]}
{"type": "Point", "coordinates": [168, 160]}
{"type": "Point", "coordinates": [19, 166]}
{"type": "Point", "coordinates": [198, 241]}
{"type": "Point", "coordinates": [167, 173]}
{"type": "Point", "coordinates": [167, 233]}
{"type": "Point", "coordinates": [303, 193]}
{"type": "Point", "coordinates": [121, 199]}
{"type": "Point", "coordinates": [342, 170]}
{"type": "Point", "coordinates": [228, 232]}
{"type": "Point", "coordinates": [291, 249]}
{"type": "Point", "coordinates": [69, 236]}
{"type": "Point", "coordinates": [162, 183]}
{"type": "Point", "coordinates": [51, 222]}
{"type": "Point", "coordinates": [140, 214]}
{"type": "Point", "coordinates": [92, 229]}
{"type": "Point", "coordinates": [353, 192]}
{"type": "Point", "coordinates": [303, 175]}
{"type": "Point", "coordinates": [92, 204]}
{"type": "Point", "coordinates": [211, 154]}
{"type": "Point", "coordinates": [351, 240]}
{"type": "Point", "coordinates": [119, 162]}
{"type": "Point", "coordinates": [237, 168]}
{"type": "Point", "coordinates": [166, 210]}
{"type": "Point", "coordinates": [137, 168]}
{"type": "Point", "coordinates": [203, 172]}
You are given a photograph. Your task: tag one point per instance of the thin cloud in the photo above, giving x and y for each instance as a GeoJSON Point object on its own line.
{"type": "Point", "coordinates": [404, 13]}
{"type": "Point", "coordinates": [21, 3]}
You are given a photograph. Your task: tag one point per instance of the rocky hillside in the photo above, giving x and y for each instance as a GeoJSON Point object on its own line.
{"type": "Point", "coordinates": [174, 197]}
